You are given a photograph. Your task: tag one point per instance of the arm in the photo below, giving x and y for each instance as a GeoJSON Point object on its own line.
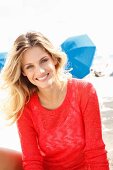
{"type": "Point", "coordinates": [10, 159]}
{"type": "Point", "coordinates": [95, 153]}
{"type": "Point", "coordinates": [32, 160]}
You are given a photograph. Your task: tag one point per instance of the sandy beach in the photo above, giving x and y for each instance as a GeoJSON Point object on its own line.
{"type": "Point", "coordinates": [104, 90]}
{"type": "Point", "coordinates": [9, 136]}
{"type": "Point", "coordinates": [107, 122]}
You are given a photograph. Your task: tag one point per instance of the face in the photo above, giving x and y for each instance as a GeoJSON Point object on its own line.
{"type": "Point", "coordinates": [39, 67]}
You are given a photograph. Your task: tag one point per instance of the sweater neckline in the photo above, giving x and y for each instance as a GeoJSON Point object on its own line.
{"type": "Point", "coordinates": [42, 108]}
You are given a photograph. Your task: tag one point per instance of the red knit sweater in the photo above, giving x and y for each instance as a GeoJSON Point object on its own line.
{"type": "Point", "coordinates": [66, 138]}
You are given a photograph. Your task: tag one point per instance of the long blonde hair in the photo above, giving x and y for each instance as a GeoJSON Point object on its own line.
{"type": "Point", "coordinates": [18, 86]}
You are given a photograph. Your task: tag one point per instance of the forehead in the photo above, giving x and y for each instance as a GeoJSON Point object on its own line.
{"type": "Point", "coordinates": [33, 53]}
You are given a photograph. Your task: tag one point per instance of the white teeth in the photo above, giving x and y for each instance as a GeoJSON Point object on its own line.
{"type": "Point", "coordinates": [42, 78]}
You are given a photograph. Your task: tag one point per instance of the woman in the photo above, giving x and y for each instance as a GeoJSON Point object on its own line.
{"type": "Point", "coordinates": [57, 116]}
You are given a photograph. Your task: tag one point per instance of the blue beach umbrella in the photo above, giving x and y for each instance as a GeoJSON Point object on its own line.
{"type": "Point", "coordinates": [2, 59]}
{"type": "Point", "coordinates": [80, 51]}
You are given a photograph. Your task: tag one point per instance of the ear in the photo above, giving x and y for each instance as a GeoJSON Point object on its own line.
{"type": "Point", "coordinates": [23, 73]}
{"type": "Point", "coordinates": [55, 61]}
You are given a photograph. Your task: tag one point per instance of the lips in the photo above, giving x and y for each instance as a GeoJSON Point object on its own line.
{"type": "Point", "coordinates": [42, 78]}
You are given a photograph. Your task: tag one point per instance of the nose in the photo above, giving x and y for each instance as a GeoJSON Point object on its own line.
{"type": "Point", "coordinates": [40, 70]}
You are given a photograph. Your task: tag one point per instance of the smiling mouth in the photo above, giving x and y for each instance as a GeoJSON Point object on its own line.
{"type": "Point", "coordinates": [42, 78]}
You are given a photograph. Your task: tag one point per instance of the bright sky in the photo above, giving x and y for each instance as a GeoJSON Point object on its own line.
{"type": "Point", "coordinates": [58, 19]}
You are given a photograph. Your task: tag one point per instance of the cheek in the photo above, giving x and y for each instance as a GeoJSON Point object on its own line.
{"type": "Point", "coordinates": [51, 66]}
{"type": "Point", "coordinates": [27, 74]}
{"type": "Point", "coordinates": [51, 69]}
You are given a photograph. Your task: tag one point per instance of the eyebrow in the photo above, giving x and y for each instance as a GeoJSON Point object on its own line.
{"type": "Point", "coordinates": [43, 58]}
{"type": "Point", "coordinates": [27, 64]}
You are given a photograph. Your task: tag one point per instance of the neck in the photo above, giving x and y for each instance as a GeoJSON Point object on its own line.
{"type": "Point", "coordinates": [53, 96]}
{"type": "Point", "coordinates": [50, 92]}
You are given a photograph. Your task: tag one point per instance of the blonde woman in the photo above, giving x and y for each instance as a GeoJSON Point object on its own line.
{"type": "Point", "coordinates": [58, 117]}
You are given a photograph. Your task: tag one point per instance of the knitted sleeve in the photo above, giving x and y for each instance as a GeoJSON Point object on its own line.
{"type": "Point", "coordinates": [95, 153]}
{"type": "Point", "coordinates": [32, 160]}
